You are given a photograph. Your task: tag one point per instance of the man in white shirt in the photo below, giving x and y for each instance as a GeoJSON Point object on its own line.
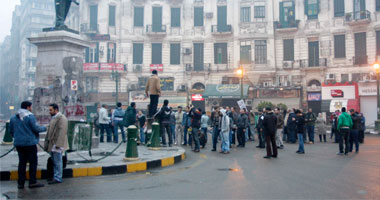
{"type": "Point", "coordinates": [104, 122]}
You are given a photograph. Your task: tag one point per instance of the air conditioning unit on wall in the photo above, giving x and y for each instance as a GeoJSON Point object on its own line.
{"type": "Point", "coordinates": [330, 77]}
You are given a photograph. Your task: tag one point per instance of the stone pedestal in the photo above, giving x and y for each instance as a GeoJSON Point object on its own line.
{"type": "Point", "coordinates": [59, 61]}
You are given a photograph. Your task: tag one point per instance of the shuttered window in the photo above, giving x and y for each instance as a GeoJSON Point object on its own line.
{"type": "Point", "coordinates": [259, 11]}
{"type": "Point", "coordinates": [112, 16]}
{"type": "Point", "coordinates": [377, 42]}
{"type": "Point", "coordinates": [360, 48]}
{"type": "Point", "coordinates": [198, 16]}
{"type": "Point", "coordinates": [289, 50]}
{"type": "Point", "coordinates": [138, 50]}
{"type": "Point", "coordinates": [138, 18]}
{"type": "Point", "coordinates": [311, 8]}
{"type": "Point", "coordinates": [94, 17]}
{"type": "Point", "coordinates": [156, 53]}
{"type": "Point", "coordinates": [338, 8]}
{"type": "Point", "coordinates": [92, 53]}
{"type": "Point", "coordinates": [198, 56]}
{"type": "Point", "coordinates": [377, 5]}
{"type": "Point", "coordinates": [175, 17]}
{"type": "Point", "coordinates": [157, 19]}
{"type": "Point", "coordinates": [313, 54]}
{"type": "Point", "coordinates": [175, 54]}
{"type": "Point", "coordinates": [260, 51]}
{"type": "Point", "coordinates": [111, 53]}
{"type": "Point", "coordinates": [245, 14]}
{"type": "Point", "coordinates": [220, 53]}
{"type": "Point", "coordinates": [340, 46]}
{"type": "Point", "coordinates": [245, 54]}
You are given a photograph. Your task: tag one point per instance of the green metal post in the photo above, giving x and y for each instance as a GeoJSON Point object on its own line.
{"type": "Point", "coordinates": [8, 139]}
{"type": "Point", "coordinates": [131, 152]}
{"type": "Point", "coordinates": [155, 137]}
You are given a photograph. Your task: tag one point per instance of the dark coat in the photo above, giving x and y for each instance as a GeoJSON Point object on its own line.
{"type": "Point", "coordinates": [242, 121]}
{"type": "Point", "coordinates": [129, 117]}
{"type": "Point", "coordinates": [300, 121]}
{"type": "Point", "coordinates": [270, 124]}
{"type": "Point", "coordinates": [195, 118]}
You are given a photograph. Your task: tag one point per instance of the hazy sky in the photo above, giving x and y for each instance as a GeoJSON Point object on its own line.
{"type": "Point", "coordinates": [6, 10]}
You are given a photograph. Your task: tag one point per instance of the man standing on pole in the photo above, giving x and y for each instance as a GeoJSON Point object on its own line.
{"type": "Point", "coordinates": [153, 90]}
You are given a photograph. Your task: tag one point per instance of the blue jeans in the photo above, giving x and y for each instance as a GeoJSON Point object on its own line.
{"type": "Point", "coordinates": [172, 127]}
{"type": "Point", "coordinates": [142, 136]}
{"type": "Point", "coordinates": [107, 129]}
{"type": "Point", "coordinates": [354, 138]}
{"type": "Point", "coordinates": [204, 129]}
{"type": "Point", "coordinates": [117, 125]}
{"type": "Point", "coordinates": [225, 141]}
{"type": "Point", "coordinates": [185, 135]}
{"type": "Point", "coordinates": [232, 136]}
{"type": "Point", "coordinates": [215, 135]}
{"type": "Point", "coordinates": [310, 132]}
{"type": "Point", "coordinates": [300, 140]}
{"type": "Point", "coordinates": [58, 165]}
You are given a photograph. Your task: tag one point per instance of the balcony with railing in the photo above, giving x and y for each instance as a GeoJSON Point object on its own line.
{"type": "Point", "coordinates": [357, 18]}
{"type": "Point", "coordinates": [286, 26]}
{"type": "Point", "coordinates": [87, 28]}
{"type": "Point", "coordinates": [198, 68]}
{"type": "Point", "coordinates": [221, 29]}
{"type": "Point", "coordinates": [156, 30]}
{"type": "Point", "coordinates": [360, 60]}
{"type": "Point", "coordinates": [313, 63]}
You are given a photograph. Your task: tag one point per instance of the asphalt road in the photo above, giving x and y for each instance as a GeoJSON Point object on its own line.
{"type": "Point", "coordinates": [243, 174]}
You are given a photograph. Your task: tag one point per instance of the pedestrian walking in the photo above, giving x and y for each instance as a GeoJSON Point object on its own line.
{"type": "Point", "coordinates": [204, 126]}
{"type": "Point", "coordinates": [153, 90]}
{"type": "Point", "coordinates": [344, 128]}
{"type": "Point", "coordinates": [164, 115]}
{"type": "Point", "coordinates": [195, 115]}
{"type": "Point", "coordinates": [178, 126]}
{"type": "Point", "coordinates": [104, 123]}
{"type": "Point", "coordinates": [242, 125]}
{"type": "Point", "coordinates": [225, 132]}
{"type": "Point", "coordinates": [280, 124]}
{"type": "Point", "coordinates": [260, 130]}
{"type": "Point", "coordinates": [142, 124]}
{"type": "Point", "coordinates": [354, 133]}
{"type": "Point", "coordinates": [25, 131]}
{"type": "Point", "coordinates": [300, 123]}
{"type": "Point", "coordinates": [117, 121]}
{"type": "Point", "coordinates": [310, 125]}
{"type": "Point", "coordinates": [320, 125]}
{"type": "Point", "coordinates": [56, 142]}
{"type": "Point", "coordinates": [233, 117]}
{"type": "Point", "coordinates": [285, 137]}
{"type": "Point", "coordinates": [215, 124]}
{"type": "Point", "coordinates": [270, 124]}
{"type": "Point", "coordinates": [186, 125]}
{"type": "Point", "coordinates": [334, 129]}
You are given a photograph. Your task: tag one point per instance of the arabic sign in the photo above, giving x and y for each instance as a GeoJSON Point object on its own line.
{"type": "Point", "coordinates": [197, 97]}
{"type": "Point", "coordinates": [90, 66]}
{"type": "Point", "coordinates": [104, 67]}
{"type": "Point", "coordinates": [337, 93]}
{"type": "Point", "coordinates": [367, 89]}
{"type": "Point", "coordinates": [158, 67]}
{"type": "Point", "coordinates": [242, 105]}
{"type": "Point", "coordinates": [74, 85]}
{"type": "Point", "coordinates": [74, 112]}
{"type": "Point", "coordinates": [100, 37]}
{"type": "Point", "coordinates": [314, 96]}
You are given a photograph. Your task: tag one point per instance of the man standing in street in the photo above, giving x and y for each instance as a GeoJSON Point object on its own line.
{"type": "Point", "coordinates": [178, 126]}
{"type": "Point", "coordinates": [252, 123]}
{"type": "Point", "coordinates": [300, 122]}
{"type": "Point", "coordinates": [354, 134]}
{"type": "Point", "coordinates": [56, 142]}
{"type": "Point", "coordinates": [215, 123]}
{"type": "Point", "coordinates": [117, 120]}
{"type": "Point", "coordinates": [280, 124]}
{"type": "Point", "coordinates": [186, 125]}
{"type": "Point", "coordinates": [344, 127]}
{"type": "Point", "coordinates": [291, 127]}
{"type": "Point", "coordinates": [164, 115]}
{"type": "Point", "coordinates": [270, 124]}
{"type": "Point", "coordinates": [242, 125]}
{"type": "Point", "coordinates": [195, 115]}
{"type": "Point", "coordinates": [141, 119]}
{"type": "Point", "coordinates": [234, 116]}
{"type": "Point", "coordinates": [130, 115]}
{"type": "Point", "coordinates": [104, 122]}
{"type": "Point", "coordinates": [25, 131]}
{"type": "Point", "coordinates": [260, 131]}
{"type": "Point", "coordinates": [204, 126]}
{"type": "Point", "coordinates": [310, 125]}
{"type": "Point", "coordinates": [225, 132]}
{"type": "Point", "coordinates": [153, 90]}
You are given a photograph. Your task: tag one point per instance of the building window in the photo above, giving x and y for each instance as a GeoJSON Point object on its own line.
{"type": "Point", "coordinates": [175, 17]}
{"type": "Point", "coordinates": [344, 78]}
{"type": "Point", "coordinates": [157, 19]}
{"type": "Point", "coordinates": [230, 80]}
{"type": "Point", "coordinates": [260, 51]}
{"type": "Point", "coordinates": [138, 18]}
{"type": "Point", "coordinates": [156, 53]}
{"type": "Point", "coordinates": [198, 16]}
{"type": "Point", "coordinates": [338, 8]}
{"type": "Point", "coordinates": [112, 16]}
{"type": "Point", "coordinates": [360, 48]}
{"type": "Point", "coordinates": [167, 84]}
{"type": "Point", "coordinates": [245, 54]}
{"type": "Point", "coordinates": [289, 50]}
{"type": "Point", "coordinates": [245, 14]}
{"type": "Point", "coordinates": [311, 8]}
{"type": "Point", "coordinates": [198, 56]}
{"type": "Point", "coordinates": [138, 50]}
{"type": "Point", "coordinates": [92, 53]}
{"type": "Point", "coordinates": [377, 5]}
{"type": "Point", "coordinates": [377, 42]}
{"type": "Point", "coordinates": [220, 53]}
{"type": "Point", "coordinates": [92, 84]}
{"type": "Point", "coordinates": [313, 54]}
{"type": "Point", "coordinates": [287, 13]}
{"type": "Point", "coordinates": [259, 11]}
{"type": "Point", "coordinates": [111, 53]}
{"type": "Point", "coordinates": [340, 46]}
{"type": "Point", "coordinates": [94, 17]}
{"type": "Point", "coordinates": [175, 54]}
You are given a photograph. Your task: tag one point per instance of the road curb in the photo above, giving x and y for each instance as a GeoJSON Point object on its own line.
{"type": "Point", "coordinates": [101, 170]}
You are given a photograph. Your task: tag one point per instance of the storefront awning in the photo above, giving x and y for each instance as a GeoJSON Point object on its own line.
{"type": "Point", "coordinates": [225, 91]}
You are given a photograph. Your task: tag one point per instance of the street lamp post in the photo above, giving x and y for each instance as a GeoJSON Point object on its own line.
{"type": "Point", "coordinates": [376, 66]}
{"type": "Point", "coordinates": [240, 73]}
{"type": "Point", "coordinates": [115, 76]}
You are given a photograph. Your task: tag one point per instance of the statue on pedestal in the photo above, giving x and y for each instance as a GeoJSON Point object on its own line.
{"type": "Point", "coordinates": [62, 8]}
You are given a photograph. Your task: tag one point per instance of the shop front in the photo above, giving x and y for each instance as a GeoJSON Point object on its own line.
{"type": "Point", "coordinates": [336, 96]}
{"type": "Point", "coordinates": [288, 96]}
{"type": "Point", "coordinates": [368, 101]}
{"type": "Point", "coordinates": [224, 95]}
{"type": "Point", "coordinates": [142, 102]}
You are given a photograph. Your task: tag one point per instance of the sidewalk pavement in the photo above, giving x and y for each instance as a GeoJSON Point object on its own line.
{"type": "Point", "coordinates": [113, 164]}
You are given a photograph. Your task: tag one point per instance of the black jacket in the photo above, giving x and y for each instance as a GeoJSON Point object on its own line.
{"type": "Point", "coordinates": [356, 120]}
{"type": "Point", "coordinates": [270, 123]}
{"type": "Point", "coordinates": [260, 120]}
{"type": "Point", "coordinates": [300, 121]}
{"type": "Point", "coordinates": [242, 121]}
{"type": "Point", "coordinates": [164, 115]}
{"type": "Point", "coordinates": [195, 118]}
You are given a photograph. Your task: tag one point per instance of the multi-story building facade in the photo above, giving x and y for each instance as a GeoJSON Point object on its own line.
{"type": "Point", "coordinates": [288, 48]}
